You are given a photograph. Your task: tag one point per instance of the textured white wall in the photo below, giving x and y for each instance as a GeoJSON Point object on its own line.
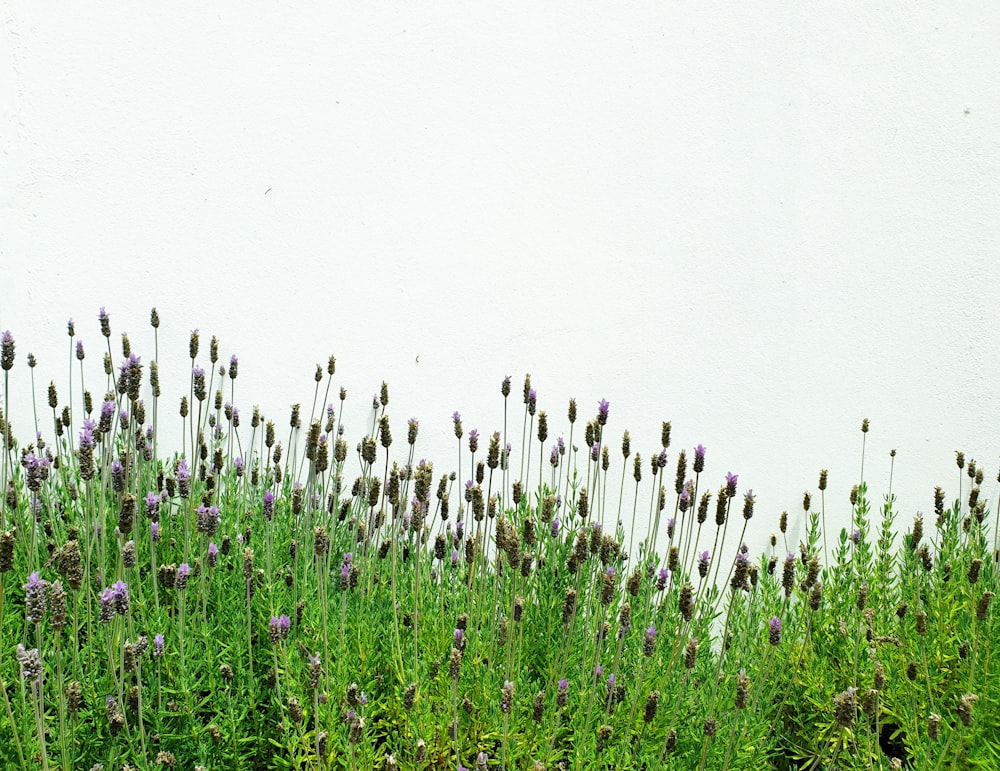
{"type": "Point", "coordinates": [762, 223]}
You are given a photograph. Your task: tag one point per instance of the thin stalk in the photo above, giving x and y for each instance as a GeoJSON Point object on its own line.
{"type": "Point", "coordinates": [3, 688]}
{"type": "Point", "coordinates": [36, 700]}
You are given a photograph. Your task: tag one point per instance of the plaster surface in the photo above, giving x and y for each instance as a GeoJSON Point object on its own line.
{"type": "Point", "coordinates": [760, 223]}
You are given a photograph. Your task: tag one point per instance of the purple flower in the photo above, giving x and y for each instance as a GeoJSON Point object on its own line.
{"type": "Point", "coordinates": [79, 350]}
{"type": "Point", "coordinates": [106, 599]}
{"type": "Point", "coordinates": [121, 597]}
{"type": "Point", "coordinates": [183, 573]}
{"type": "Point", "coordinates": [87, 435]}
{"type": "Point", "coordinates": [856, 537]}
{"type": "Point", "coordinates": [564, 684]}
{"type": "Point", "coordinates": [599, 670]}
{"type": "Point", "coordinates": [602, 411]}
{"type": "Point", "coordinates": [152, 505]}
{"type": "Point", "coordinates": [213, 553]}
{"type": "Point", "coordinates": [661, 459]}
{"type": "Point", "coordinates": [651, 632]}
{"type": "Point", "coordinates": [158, 646]}
{"type": "Point", "coordinates": [459, 638]}
{"type": "Point", "coordinates": [36, 470]}
{"type": "Point", "coordinates": [554, 528]}
{"type": "Point", "coordinates": [699, 458]}
{"type": "Point", "coordinates": [117, 476]}
{"type": "Point", "coordinates": [595, 451]}
{"type": "Point", "coordinates": [154, 531]}
{"type": "Point", "coordinates": [278, 628]}
{"type": "Point", "coordinates": [731, 480]}
{"type": "Point", "coordinates": [454, 558]}
{"type": "Point", "coordinates": [208, 519]}
{"type": "Point", "coordinates": [268, 505]}
{"type": "Point", "coordinates": [34, 597]}
{"type": "Point", "coordinates": [183, 479]}
{"type": "Point", "coordinates": [775, 633]}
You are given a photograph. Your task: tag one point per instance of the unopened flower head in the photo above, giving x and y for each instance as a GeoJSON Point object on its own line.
{"type": "Point", "coordinates": [31, 664]}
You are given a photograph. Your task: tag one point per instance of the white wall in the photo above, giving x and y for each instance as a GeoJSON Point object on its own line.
{"type": "Point", "coordinates": [762, 223]}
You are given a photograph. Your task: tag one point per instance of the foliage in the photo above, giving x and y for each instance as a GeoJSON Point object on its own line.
{"type": "Point", "coordinates": [248, 604]}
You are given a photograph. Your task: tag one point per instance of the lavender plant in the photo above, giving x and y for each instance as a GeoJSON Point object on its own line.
{"type": "Point", "coordinates": [215, 607]}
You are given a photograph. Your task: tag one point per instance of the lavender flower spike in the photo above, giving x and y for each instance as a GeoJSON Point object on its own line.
{"type": "Point", "coordinates": [34, 598]}
{"type": "Point", "coordinates": [7, 351]}
{"type": "Point", "coordinates": [774, 637]}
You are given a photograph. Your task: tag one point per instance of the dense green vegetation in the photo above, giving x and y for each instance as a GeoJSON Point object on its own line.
{"type": "Point", "coordinates": [326, 602]}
